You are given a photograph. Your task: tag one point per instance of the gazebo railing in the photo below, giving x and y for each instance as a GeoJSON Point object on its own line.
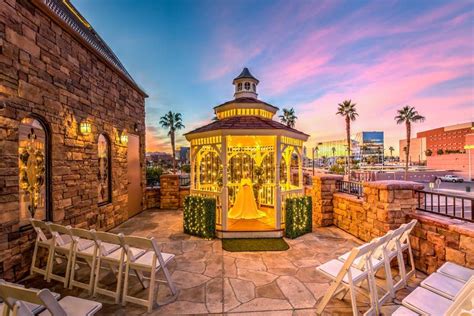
{"type": "Point", "coordinates": [288, 194]}
{"type": "Point", "coordinates": [267, 194]}
{"type": "Point", "coordinates": [212, 194]}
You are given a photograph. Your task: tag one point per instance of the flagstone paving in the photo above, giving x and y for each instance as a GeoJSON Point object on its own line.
{"type": "Point", "coordinates": [212, 280]}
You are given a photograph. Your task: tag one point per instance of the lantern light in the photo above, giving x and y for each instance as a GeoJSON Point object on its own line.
{"type": "Point", "coordinates": [85, 128]}
{"type": "Point", "coordinates": [124, 138]}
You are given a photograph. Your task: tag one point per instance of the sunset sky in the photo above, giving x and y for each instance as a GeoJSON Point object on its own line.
{"type": "Point", "coordinates": [309, 55]}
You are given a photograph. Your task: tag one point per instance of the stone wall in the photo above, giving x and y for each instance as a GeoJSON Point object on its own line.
{"type": "Point", "coordinates": [385, 205]}
{"type": "Point", "coordinates": [152, 197]}
{"type": "Point", "coordinates": [324, 187]}
{"type": "Point", "coordinates": [47, 72]}
{"type": "Point", "coordinates": [169, 190]}
{"type": "Point", "coordinates": [437, 239]}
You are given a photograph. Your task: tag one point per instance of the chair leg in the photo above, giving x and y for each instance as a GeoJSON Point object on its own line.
{"type": "Point", "coordinates": [96, 277]}
{"type": "Point", "coordinates": [169, 280]}
{"type": "Point", "coordinates": [73, 271]}
{"type": "Point", "coordinates": [326, 298]}
{"type": "Point", "coordinates": [151, 290]}
{"type": "Point", "coordinates": [50, 263]}
{"type": "Point", "coordinates": [68, 268]}
{"type": "Point", "coordinates": [412, 262]}
{"type": "Point", "coordinates": [125, 284]}
{"type": "Point", "coordinates": [33, 260]}
{"type": "Point", "coordinates": [91, 276]}
{"type": "Point", "coordinates": [355, 312]}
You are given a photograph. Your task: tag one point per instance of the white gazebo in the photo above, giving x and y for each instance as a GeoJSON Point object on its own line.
{"type": "Point", "coordinates": [248, 162]}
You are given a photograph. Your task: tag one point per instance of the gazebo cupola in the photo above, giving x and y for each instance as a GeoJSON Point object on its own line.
{"type": "Point", "coordinates": [245, 85]}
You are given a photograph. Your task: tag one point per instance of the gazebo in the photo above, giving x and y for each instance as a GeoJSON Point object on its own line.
{"type": "Point", "coordinates": [248, 162]}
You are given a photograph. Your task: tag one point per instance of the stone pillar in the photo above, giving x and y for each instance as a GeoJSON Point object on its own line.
{"type": "Point", "coordinates": [169, 189]}
{"type": "Point", "coordinates": [388, 204]}
{"type": "Point", "coordinates": [324, 187]}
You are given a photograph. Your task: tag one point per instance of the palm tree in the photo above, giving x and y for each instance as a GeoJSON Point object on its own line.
{"type": "Point", "coordinates": [288, 117]}
{"type": "Point", "coordinates": [333, 151]}
{"type": "Point", "coordinates": [391, 149]}
{"type": "Point", "coordinates": [408, 115]}
{"type": "Point", "coordinates": [347, 110]}
{"type": "Point", "coordinates": [174, 122]}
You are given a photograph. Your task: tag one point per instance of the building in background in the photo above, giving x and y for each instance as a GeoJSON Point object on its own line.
{"type": "Point", "coordinates": [184, 158]}
{"type": "Point", "coordinates": [159, 159]}
{"type": "Point", "coordinates": [417, 152]}
{"type": "Point", "coordinates": [371, 146]}
{"type": "Point", "coordinates": [337, 148]}
{"type": "Point", "coordinates": [444, 148]}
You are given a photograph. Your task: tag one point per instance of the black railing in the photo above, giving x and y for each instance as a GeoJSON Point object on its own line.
{"type": "Point", "coordinates": [350, 187]}
{"type": "Point", "coordinates": [454, 206]}
{"type": "Point", "coordinates": [152, 182]}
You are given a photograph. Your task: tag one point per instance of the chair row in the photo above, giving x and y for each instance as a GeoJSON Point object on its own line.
{"type": "Point", "coordinates": [448, 291]}
{"type": "Point", "coordinates": [98, 250]}
{"type": "Point", "coordinates": [17, 300]}
{"type": "Point", "coordinates": [359, 266]}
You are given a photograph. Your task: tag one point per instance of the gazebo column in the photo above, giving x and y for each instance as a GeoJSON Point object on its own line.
{"type": "Point", "coordinates": [277, 183]}
{"type": "Point", "coordinates": [224, 191]}
{"type": "Point", "coordinates": [300, 168]}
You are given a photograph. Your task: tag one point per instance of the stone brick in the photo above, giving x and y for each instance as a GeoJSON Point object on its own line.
{"type": "Point", "coordinates": [455, 256]}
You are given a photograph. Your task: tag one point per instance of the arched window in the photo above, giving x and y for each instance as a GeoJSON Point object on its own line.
{"type": "Point", "coordinates": [254, 87]}
{"type": "Point", "coordinates": [239, 86]}
{"type": "Point", "coordinates": [104, 174]}
{"type": "Point", "coordinates": [247, 86]}
{"type": "Point", "coordinates": [34, 166]}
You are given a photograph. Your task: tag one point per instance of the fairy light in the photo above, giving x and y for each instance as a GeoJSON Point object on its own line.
{"type": "Point", "coordinates": [298, 216]}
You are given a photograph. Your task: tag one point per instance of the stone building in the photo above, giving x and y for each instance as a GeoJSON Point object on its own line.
{"type": "Point", "coordinates": [72, 128]}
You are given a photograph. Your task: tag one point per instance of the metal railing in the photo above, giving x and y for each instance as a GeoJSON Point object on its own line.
{"type": "Point", "coordinates": [454, 206]}
{"type": "Point", "coordinates": [184, 181]}
{"type": "Point", "coordinates": [350, 187]}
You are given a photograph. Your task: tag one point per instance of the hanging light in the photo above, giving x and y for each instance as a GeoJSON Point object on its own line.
{"type": "Point", "coordinates": [85, 128]}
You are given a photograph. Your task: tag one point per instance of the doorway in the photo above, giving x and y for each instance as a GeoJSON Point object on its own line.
{"type": "Point", "coordinates": [134, 176]}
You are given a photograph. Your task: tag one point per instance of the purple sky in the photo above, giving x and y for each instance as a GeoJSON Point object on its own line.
{"type": "Point", "coordinates": [309, 55]}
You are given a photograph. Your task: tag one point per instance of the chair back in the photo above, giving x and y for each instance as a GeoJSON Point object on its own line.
{"type": "Point", "coordinates": [10, 293]}
{"type": "Point", "coordinates": [362, 254]}
{"type": "Point", "coordinates": [41, 228]}
{"type": "Point", "coordinates": [107, 237]}
{"type": "Point", "coordinates": [57, 230]}
{"type": "Point", "coordinates": [406, 234]}
{"type": "Point", "coordinates": [143, 243]}
{"type": "Point", "coordinates": [51, 303]}
{"type": "Point", "coordinates": [396, 236]}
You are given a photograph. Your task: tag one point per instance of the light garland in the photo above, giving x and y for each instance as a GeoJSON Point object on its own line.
{"type": "Point", "coordinates": [298, 220]}
{"type": "Point", "coordinates": [199, 216]}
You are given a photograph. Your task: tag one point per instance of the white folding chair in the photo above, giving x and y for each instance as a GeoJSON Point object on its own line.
{"type": "Point", "coordinates": [88, 255]}
{"type": "Point", "coordinates": [112, 253]}
{"type": "Point", "coordinates": [60, 250]}
{"type": "Point", "coordinates": [33, 308]}
{"type": "Point", "coordinates": [403, 245]}
{"type": "Point", "coordinates": [41, 228]}
{"type": "Point", "coordinates": [442, 285]}
{"type": "Point", "coordinates": [67, 306]}
{"type": "Point", "coordinates": [456, 271]}
{"type": "Point", "coordinates": [152, 261]}
{"type": "Point", "coordinates": [464, 302]}
{"type": "Point", "coordinates": [347, 277]}
{"type": "Point", "coordinates": [379, 259]}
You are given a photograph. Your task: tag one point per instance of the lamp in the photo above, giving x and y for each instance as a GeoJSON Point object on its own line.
{"type": "Point", "coordinates": [124, 138]}
{"type": "Point", "coordinates": [85, 128]}
{"type": "Point", "coordinates": [135, 127]}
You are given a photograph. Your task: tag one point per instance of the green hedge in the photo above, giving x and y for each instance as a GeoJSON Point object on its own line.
{"type": "Point", "coordinates": [298, 218]}
{"type": "Point", "coordinates": [199, 216]}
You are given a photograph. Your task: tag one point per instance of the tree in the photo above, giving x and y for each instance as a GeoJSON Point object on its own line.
{"type": "Point", "coordinates": [391, 149]}
{"type": "Point", "coordinates": [333, 151]}
{"type": "Point", "coordinates": [408, 115]}
{"type": "Point", "coordinates": [347, 110]}
{"type": "Point", "coordinates": [173, 122]}
{"type": "Point", "coordinates": [288, 117]}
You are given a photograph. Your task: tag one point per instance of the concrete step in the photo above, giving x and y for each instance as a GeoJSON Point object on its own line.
{"type": "Point", "coordinates": [250, 234]}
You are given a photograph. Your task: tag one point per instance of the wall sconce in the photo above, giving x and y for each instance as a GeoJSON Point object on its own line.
{"type": "Point", "coordinates": [85, 128]}
{"type": "Point", "coordinates": [124, 138]}
{"type": "Point", "coordinates": [135, 127]}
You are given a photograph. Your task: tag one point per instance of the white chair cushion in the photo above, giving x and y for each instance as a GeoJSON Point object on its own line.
{"type": "Point", "coordinates": [109, 248]}
{"type": "Point", "coordinates": [147, 258]}
{"type": "Point", "coordinates": [425, 302]}
{"type": "Point", "coordinates": [403, 311]}
{"type": "Point", "coordinates": [456, 271]}
{"type": "Point", "coordinates": [443, 285]}
{"type": "Point", "coordinates": [332, 268]}
{"type": "Point", "coordinates": [84, 244]}
{"type": "Point", "coordinates": [75, 306]}
{"type": "Point", "coordinates": [136, 253]}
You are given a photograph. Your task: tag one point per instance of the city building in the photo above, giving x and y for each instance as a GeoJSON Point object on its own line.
{"type": "Point", "coordinates": [184, 157]}
{"type": "Point", "coordinates": [417, 152]}
{"type": "Point", "coordinates": [371, 146]}
{"type": "Point", "coordinates": [159, 159]}
{"type": "Point", "coordinates": [73, 128]}
{"type": "Point", "coordinates": [337, 148]}
{"type": "Point", "coordinates": [444, 148]}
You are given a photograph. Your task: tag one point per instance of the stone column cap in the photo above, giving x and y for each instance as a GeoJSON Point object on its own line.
{"type": "Point", "coordinates": [169, 175]}
{"type": "Point", "coordinates": [328, 176]}
{"type": "Point", "coordinates": [394, 185]}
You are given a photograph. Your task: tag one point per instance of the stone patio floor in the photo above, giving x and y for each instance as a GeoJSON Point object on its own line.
{"type": "Point", "coordinates": [214, 281]}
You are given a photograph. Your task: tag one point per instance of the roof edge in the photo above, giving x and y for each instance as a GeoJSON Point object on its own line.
{"type": "Point", "coordinates": [46, 10]}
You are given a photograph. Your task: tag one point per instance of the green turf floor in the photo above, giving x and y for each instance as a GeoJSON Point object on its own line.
{"type": "Point", "coordinates": [254, 244]}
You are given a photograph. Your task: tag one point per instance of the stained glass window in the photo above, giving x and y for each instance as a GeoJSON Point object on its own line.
{"type": "Point", "coordinates": [32, 169]}
{"type": "Point", "coordinates": [103, 174]}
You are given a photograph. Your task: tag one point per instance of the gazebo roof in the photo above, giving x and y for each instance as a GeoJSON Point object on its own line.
{"type": "Point", "coordinates": [246, 100]}
{"type": "Point", "coordinates": [245, 74]}
{"type": "Point", "coordinates": [244, 123]}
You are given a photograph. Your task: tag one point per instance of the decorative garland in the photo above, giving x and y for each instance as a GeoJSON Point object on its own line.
{"type": "Point", "coordinates": [199, 216]}
{"type": "Point", "coordinates": [298, 216]}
